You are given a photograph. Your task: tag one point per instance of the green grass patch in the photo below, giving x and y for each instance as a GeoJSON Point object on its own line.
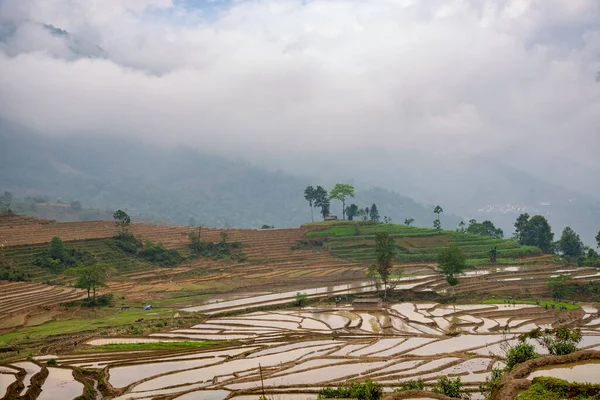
{"type": "Point", "coordinates": [103, 318]}
{"type": "Point", "coordinates": [155, 346]}
{"type": "Point", "coordinates": [543, 303]}
{"type": "Point", "coordinates": [335, 231]}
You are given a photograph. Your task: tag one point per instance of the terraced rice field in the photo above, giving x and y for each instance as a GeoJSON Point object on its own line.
{"type": "Point", "coordinates": [356, 242]}
{"type": "Point", "coordinates": [19, 299]}
{"type": "Point", "coordinates": [301, 350]}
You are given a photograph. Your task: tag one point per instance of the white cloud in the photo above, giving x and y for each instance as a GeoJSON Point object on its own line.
{"type": "Point", "coordinates": [293, 76]}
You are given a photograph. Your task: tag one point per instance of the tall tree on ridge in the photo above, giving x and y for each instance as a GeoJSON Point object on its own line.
{"type": "Point", "coordinates": [408, 221]}
{"type": "Point", "coordinates": [437, 224]}
{"type": "Point", "coordinates": [598, 239]}
{"type": "Point", "coordinates": [352, 211]}
{"type": "Point", "coordinates": [309, 195]}
{"type": "Point", "coordinates": [374, 213]}
{"type": "Point", "coordinates": [322, 201]}
{"type": "Point", "coordinates": [339, 192]}
{"type": "Point", "coordinates": [384, 252]}
{"type": "Point", "coordinates": [571, 246]}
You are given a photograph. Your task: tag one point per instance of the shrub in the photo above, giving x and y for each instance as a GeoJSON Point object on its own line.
{"type": "Point", "coordinates": [102, 300]}
{"type": "Point", "coordinates": [412, 385]}
{"type": "Point", "coordinates": [126, 242]}
{"type": "Point", "coordinates": [559, 342]}
{"type": "Point", "coordinates": [51, 362]}
{"type": "Point", "coordinates": [157, 254]}
{"type": "Point", "coordinates": [301, 299]}
{"type": "Point", "coordinates": [367, 390]}
{"type": "Point", "coordinates": [520, 353]}
{"type": "Point", "coordinates": [58, 257]}
{"type": "Point", "coordinates": [450, 387]}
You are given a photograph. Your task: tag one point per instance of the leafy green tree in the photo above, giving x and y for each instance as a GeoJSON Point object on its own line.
{"type": "Point", "coordinates": [57, 248]}
{"type": "Point", "coordinates": [450, 387]}
{"type": "Point", "coordinates": [374, 213]}
{"type": "Point", "coordinates": [384, 253]}
{"type": "Point", "coordinates": [366, 213]}
{"type": "Point", "coordinates": [592, 259]}
{"type": "Point", "coordinates": [570, 246]}
{"type": "Point", "coordinates": [534, 232]}
{"type": "Point", "coordinates": [561, 286]}
{"type": "Point", "coordinates": [408, 221]}
{"type": "Point", "coordinates": [352, 211]}
{"type": "Point", "coordinates": [461, 227]}
{"type": "Point", "coordinates": [598, 239]}
{"type": "Point", "coordinates": [437, 224]}
{"type": "Point", "coordinates": [90, 278]}
{"type": "Point", "coordinates": [322, 201]}
{"type": "Point", "coordinates": [520, 353]}
{"type": "Point", "coordinates": [309, 195]}
{"type": "Point", "coordinates": [559, 341]}
{"type": "Point", "coordinates": [452, 262]}
{"type": "Point", "coordinates": [75, 205]}
{"type": "Point", "coordinates": [301, 299]}
{"type": "Point", "coordinates": [340, 192]}
{"type": "Point", "coordinates": [486, 228]}
{"type": "Point", "coordinates": [122, 220]}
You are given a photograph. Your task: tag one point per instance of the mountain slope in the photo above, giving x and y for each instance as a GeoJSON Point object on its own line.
{"type": "Point", "coordinates": [173, 182]}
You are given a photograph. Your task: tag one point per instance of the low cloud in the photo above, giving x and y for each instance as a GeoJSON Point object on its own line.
{"type": "Point", "coordinates": [293, 78]}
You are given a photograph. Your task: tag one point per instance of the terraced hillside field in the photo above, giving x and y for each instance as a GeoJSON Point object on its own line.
{"type": "Point", "coordinates": [292, 353]}
{"type": "Point", "coordinates": [356, 241]}
{"type": "Point", "coordinates": [20, 301]}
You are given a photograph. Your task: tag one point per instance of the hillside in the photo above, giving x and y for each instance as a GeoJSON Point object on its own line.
{"type": "Point", "coordinates": [356, 242]}
{"type": "Point", "coordinates": [173, 183]}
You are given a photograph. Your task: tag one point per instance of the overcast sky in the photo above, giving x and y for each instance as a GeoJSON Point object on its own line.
{"type": "Point", "coordinates": [299, 77]}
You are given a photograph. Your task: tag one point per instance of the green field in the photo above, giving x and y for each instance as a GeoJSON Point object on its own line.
{"type": "Point", "coordinates": [355, 241]}
{"type": "Point", "coordinates": [155, 346]}
{"type": "Point", "coordinates": [543, 303]}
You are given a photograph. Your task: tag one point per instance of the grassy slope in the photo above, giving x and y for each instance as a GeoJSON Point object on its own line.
{"type": "Point", "coordinates": [355, 240]}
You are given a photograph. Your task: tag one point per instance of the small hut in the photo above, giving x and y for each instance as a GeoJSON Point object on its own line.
{"type": "Point", "coordinates": [331, 218]}
{"type": "Point", "coordinates": [369, 304]}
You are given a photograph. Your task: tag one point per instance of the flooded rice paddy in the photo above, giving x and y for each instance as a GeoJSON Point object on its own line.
{"type": "Point", "coordinates": [300, 350]}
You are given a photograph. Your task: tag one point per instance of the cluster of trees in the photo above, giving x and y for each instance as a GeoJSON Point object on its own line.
{"type": "Point", "coordinates": [485, 228]}
{"type": "Point", "coordinates": [58, 257]}
{"type": "Point", "coordinates": [221, 249]}
{"type": "Point", "coordinates": [319, 198]}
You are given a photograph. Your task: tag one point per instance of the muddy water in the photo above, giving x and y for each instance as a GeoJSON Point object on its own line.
{"type": "Point", "coordinates": [318, 362]}
{"type": "Point", "coordinates": [102, 342]}
{"type": "Point", "coordinates": [204, 395]}
{"type": "Point", "coordinates": [5, 381]}
{"type": "Point", "coordinates": [459, 343]}
{"type": "Point", "coordinates": [314, 325]}
{"type": "Point", "coordinates": [335, 321]}
{"type": "Point", "coordinates": [408, 310]}
{"type": "Point", "coordinates": [152, 393]}
{"type": "Point", "coordinates": [380, 345]}
{"type": "Point", "coordinates": [577, 372]}
{"type": "Point", "coordinates": [202, 336]}
{"type": "Point", "coordinates": [260, 324]}
{"type": "Point", "coordinates": [123, 376]}
{"type": "Point", "coordinates": [354, 287]}
{"type": "Point", "coordinates": [314, 376]}
{"type": "Point", "coordinates": [60, 384]}
{"type": "Point", "coordinates": [207, 373]}
{"type": "Point", "coordinates": [309, 346]}
{"type": "Point", "coordinates": [31, 370]}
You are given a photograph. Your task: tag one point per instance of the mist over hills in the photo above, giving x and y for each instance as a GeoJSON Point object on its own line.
{"type": "Point", "coordinates": [174, 182]}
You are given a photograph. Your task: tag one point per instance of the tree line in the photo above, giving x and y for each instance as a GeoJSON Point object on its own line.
{"type": "Point", "coordinates": [319, 198]}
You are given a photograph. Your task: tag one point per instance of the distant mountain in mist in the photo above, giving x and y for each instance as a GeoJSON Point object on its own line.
{"type": "Point", "coordinates": [177, 183]}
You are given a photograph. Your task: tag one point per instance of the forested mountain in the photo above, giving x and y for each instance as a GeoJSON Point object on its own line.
{"type": "Point", "coordinates": [178, 183]}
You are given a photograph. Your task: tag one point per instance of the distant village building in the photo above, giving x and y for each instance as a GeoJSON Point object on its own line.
{"type": "Point", "coordinates": [367, 304]}
{"type": "Point", "coordinates": [331, 218]}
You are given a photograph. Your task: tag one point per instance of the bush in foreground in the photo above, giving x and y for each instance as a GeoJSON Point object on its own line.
{"type": "Point", "coordinates": [367, 390]}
